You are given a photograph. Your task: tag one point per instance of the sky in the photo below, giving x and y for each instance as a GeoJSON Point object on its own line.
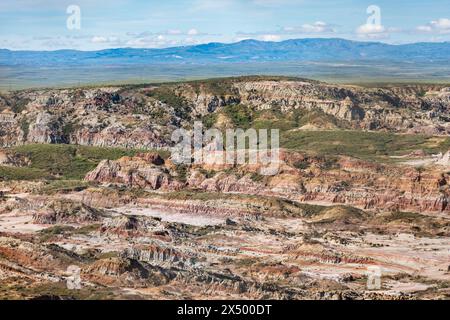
{"type": "Point", "coordinates": [95, 25]}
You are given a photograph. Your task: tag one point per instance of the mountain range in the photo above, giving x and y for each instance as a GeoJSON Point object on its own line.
{"type": "Point", "coordinates": [241, 52]}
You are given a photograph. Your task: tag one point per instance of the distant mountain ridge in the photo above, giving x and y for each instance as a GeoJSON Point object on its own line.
{"type": "Point", "coordinates": [312, 49]}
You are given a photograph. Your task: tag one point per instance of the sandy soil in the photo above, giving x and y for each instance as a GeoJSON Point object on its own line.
{"type": "Point", "coordinates": [19, 223]}
{"type": "Point", "coordinates": [195, 220]}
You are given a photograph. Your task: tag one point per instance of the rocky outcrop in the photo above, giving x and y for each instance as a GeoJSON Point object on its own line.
{"type": "Point", "coordinates": [8, 158]}
{"type": "Point", "coordinates": [28, 257]}
{"type": "Point", "coordinates": [65, 211]}
{"type": "Point", "coordinates": [289, 95]}
{"type": "Point", "coordinates": [390, 188]}
{"type": "Point", "coordinates": [99, 117]}
{"type": "Point", "coordinates": [133, 226]}
{"type": "Point", "coordinates": [159, 255]}
{"type": "Point", "coordinates": [143, 171]}
{"type": "Point", "coordinates": [126, 272]}
{"type": "Point", "coordinates": [350, 181]}
{"type": "Point", "coordinates": [145, 117]}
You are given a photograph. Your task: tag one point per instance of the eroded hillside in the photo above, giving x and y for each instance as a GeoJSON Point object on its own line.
{"type": "Point", "coordinates": [144, 116]}
{"type": "Point", "coordinates": [87, 182]}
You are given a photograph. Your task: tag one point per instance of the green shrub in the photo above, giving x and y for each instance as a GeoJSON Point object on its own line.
{"type": "Point", "coordinates": [240, 115]}
{"type": "Point", "coordinates": [25, 127]}
{"type": "Point", "coordinates": [166, 95]}
{"type": "Point", "coordinates": [19, 105]}
{"type": "Point", "coordinates": [14, 173]}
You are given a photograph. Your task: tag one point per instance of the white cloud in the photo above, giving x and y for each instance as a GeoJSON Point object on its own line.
{"type": "Point", "coordinates": [102, 39]}
{"type": "Point", "coordinates": [440, 26]}
{"type": "Point", "coordinates": [374, 31]}
{"type": "Point", "coordinates": [442, 23]}
{"type": "Point", "coordinates": [316, 27]}
{"type": "Point", "coordinates": [424, 29]}
{"type": "Point", "coordinates": [270, 37]}
{"type": "Point", "coordinates": [193, 32]}
{"type": "Point", "coordinates": [159, 41]}
{"type": "Point", "coordinates": [170, 33]}
{"type": "Point", "coordinates": [138, 42]}
{"type": "Point", "coordinates": [97, 39]}
{"type": "Point", "coordinates": [370, 29]}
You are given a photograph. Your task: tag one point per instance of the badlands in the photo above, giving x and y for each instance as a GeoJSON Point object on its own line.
{"type": "Point", "coordinates": [93, 206]}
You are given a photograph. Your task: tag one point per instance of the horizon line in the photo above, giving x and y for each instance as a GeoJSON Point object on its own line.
{"type": "Point", "coordinates": [231, 43]}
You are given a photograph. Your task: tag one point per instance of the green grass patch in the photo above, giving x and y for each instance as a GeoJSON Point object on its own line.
{"type": "Point", "coordinates": [245, 117]}
{"type": "Point", "coordinates": [209, 120]}
{"type": "Point", "coordinates": [360, 144]}
{"type": "Point", "coordinates": [64, 186]}
{"type": "Point", "coordinates": [404, 216]}
{"type": "Point", "coordinates": [66, 162]}
{"type": "Point", "coordinates": [182, 172]}
{"type": "Point", "coordinates": [29, 174]}
{"type": "Point", "coordinates": [25, 126]}
{"type": "Point", "coordinates": [240, 115]}
{"type": "Point", "coordinates": [270, 204]}
{"type": "Point", "coordinates": [99, 154]}
{"type": "Point", "coordinates": [57, 160]}
{"type": "Point", "coordinates": [86, 230]}
{"type": "Point", "coordinates": [47, 234]}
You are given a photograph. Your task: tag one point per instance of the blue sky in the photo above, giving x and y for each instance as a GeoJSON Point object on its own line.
{"type": "Point", "coordinates": [42, 24]}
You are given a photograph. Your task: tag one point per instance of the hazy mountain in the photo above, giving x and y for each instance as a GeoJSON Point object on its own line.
{"type": "Point", "coordinates": [244, 51]}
